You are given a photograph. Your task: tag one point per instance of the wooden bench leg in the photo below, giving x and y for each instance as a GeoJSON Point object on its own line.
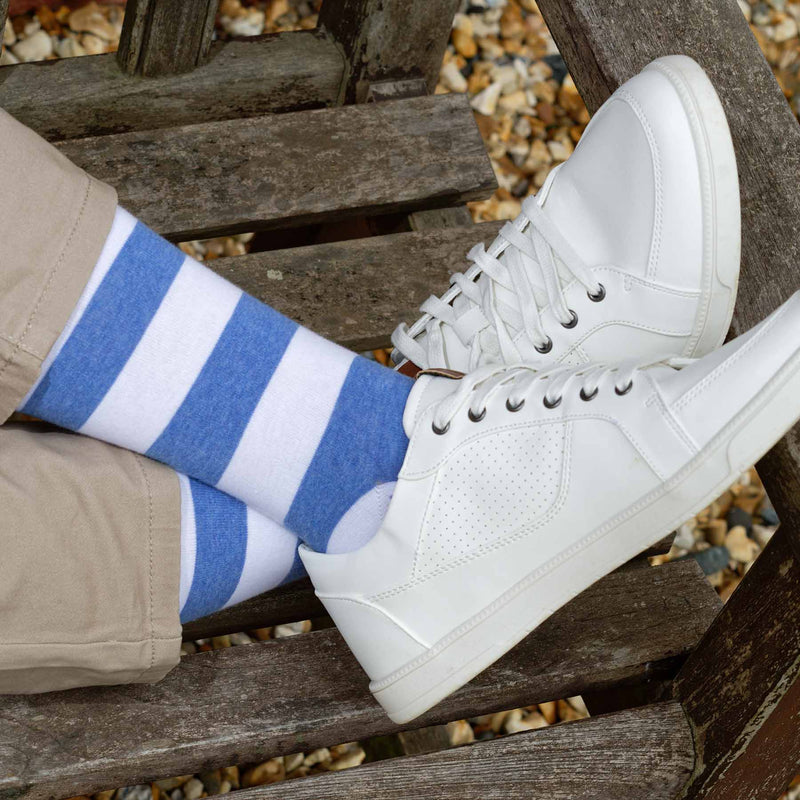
{"type": "Point", "coordinates": [388, 40]}
{"type": "Point", "coordinates": [161, 37]}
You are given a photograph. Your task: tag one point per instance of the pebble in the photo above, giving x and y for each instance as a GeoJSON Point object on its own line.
{"type": "Point", "coordinates": [485, 102]}
{"type": "Point", "coordinates": [516, 721]}
{"type": "Point", "coordinates": [251, 23]}
{"type": "Point", "coordinates": [769, 516]}
{"type": "Point", "coordinates": [7, 58]}
{"type": "Point", "coordinates": [293, 761]}
{"type": "Point", "coordinates": [320, 756]}
{"type": "Point", "coordinates": [270, 771]}
{"type": "Point", "coordinates": [352, 756]}
{"type": "Point", "coordinates": [460, 732]}
{"type": "Point", "coordinates": [140, 792]}
{"type": "Point", "coordinates": [785, 30]}
{"type": "Point", "coordinates": [35, 48]}
{"type": "Point", "coordinates": [716, 530]}
{"type": "Point", "coordinates": [684, 538]}
{"type": "Point", "coordinates": [741, 547]}
{"type": "Point", "coordinates": [9, 37]}
{"type": "Point", "coordinates": [291, 629]}
{"type": "Point", "coordinates": [212, 781]}
{"type": "Point", "coordinates": [738, 516]}
{"type": "Point", "coordinates": [193, 788]}
{"type": "Point", "coordinates": [168, 784]}
{"type": "Point", "coordinates": [452, 78]}
{"type": "Point", "coordinates": [549, 711]}
{"type": "Point", "coordinates": [94, 45]}
{"type": "Point", "coordinates": [91, 19]}
{"type": "Point", "coordinates": [70, 48]}
{"type": "Point", "coordinates": [762, 534]}
{"type": "Point", "coordinates": [711, 560]}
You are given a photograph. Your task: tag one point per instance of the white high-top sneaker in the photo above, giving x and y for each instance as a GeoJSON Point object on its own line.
{"type": "Point", "coordinates": [521, 488]}
{"type": "Point", "coordinates": [631, 248]}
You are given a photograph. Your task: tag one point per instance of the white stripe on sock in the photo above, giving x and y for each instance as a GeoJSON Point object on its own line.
{"type": "Point", "coordinates": [121, 229]}
{"type": "Point", "coordinates": [270, 555]}
{"type": "Point", "coordinates": [361, 520]}
{"type": "Point", "coordinates": [167, 359]}
{"type": "Point", "coordinates": [287, 425]}
{"type": "Point", "coordinates": [188, 540]}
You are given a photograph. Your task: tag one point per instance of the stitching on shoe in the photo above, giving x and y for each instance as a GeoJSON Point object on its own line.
{"type": "Point", "coordinates": [658, 210]}
{"type": "Point", "coordinates": [720, 369]}
{"type": "Point", "coordinates": [524, 531]}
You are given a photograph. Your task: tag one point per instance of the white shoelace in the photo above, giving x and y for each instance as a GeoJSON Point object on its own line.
{"type": "Point", "coordinates": [528, 272]}
{"type": "Point", "coordinates": [519, 380]}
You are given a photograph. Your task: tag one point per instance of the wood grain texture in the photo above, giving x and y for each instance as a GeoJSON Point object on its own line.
{"type": "Point", "coordinates": [355, 292]}
{"type": "Point", "coordinates": [750, 660]}
{"type": "Point", "coordinates": [388, 40]}
{"type": "Point", "coordinates": [161, 37]}
{"type": "Point", "coordinates": [90, 96]}
{"type": "Point", "coordinates": [260, 700]}
{"type": "Point", "coordinates": [3, 14]}
{"type": "Point", "coordinates": [291, 169]}
{"type": "Point", "coordinates": [594, 759]}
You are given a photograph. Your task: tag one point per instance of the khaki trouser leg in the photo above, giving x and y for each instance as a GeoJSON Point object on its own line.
{"type": "Point", "coordinates": [89, 533]}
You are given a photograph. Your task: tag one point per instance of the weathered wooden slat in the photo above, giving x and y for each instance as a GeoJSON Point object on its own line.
{"type": "Point", "coordinates": [355, 292]}
{"type": "Point", "coordinates": [278, 697]}
{"type": "Point", "coordinates": [309, 166]}
{"type": "Point", "coordinates": [161, 37]}
{"type": "Point", "coordinates": [643, 754]}
{"type": "Point", "coordinates": [90, 96]}
{"type": "Point", "coordinates": [388, 40]}
{"type": "Point", "coordinates": [3, 14]}
{"type": "Point", "coordinates": [742, 680]}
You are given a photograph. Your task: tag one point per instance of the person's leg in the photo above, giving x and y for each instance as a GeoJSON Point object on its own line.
{"type": "Point", "coordinates": [44, 269]}
{"type": "Point", "coordinates": [109, 538]}
{"type": "Point", "coordinates": [90, 536]}
{"type": "Point", "coordinates": [164, 357]}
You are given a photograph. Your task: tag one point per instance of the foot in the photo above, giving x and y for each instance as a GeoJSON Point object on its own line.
{"type": "Point", "coordinates": [631, 248]}
{"type": "Point", "coordinates": [521, 488]}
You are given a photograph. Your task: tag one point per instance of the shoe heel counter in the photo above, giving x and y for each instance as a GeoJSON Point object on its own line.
{"type": "Point", "coordinates": [377, 641]}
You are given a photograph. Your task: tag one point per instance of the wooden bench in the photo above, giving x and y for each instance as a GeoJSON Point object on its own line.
{"type": "Point", "coordinates": [337, 124]}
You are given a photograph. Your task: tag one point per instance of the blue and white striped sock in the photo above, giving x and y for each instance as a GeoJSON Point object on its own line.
{"type": "Point", "coordinates": [164, 357]}
{"type": "Point", "coordinates": [229, 552]}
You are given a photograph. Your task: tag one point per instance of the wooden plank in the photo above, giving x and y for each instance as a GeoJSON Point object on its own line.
{"type": "Point", "coordinates": [3, 16]}
{"type": "Point", "coordinates": [355, 292]}
{"type": "Point", "coordinates": [742, 679]}
{"type": "Point", "coordinates": [644, 754]}
{"type": "Point", "coordinates": [161, 37]}
{"type": "Point", "coordinates": [290, 603]}
{"type": "Point", "coordinates": [278, 697]}
{"type": "Point", "coordinates": [89, 96]}
{"type": "Point", "coordinates": [388, 40]}
{"type": "Point", "coordinates": [292, 169]}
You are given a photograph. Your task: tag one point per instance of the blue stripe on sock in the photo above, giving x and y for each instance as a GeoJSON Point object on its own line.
{"type": "Point", "coordinates": [203, 435]}
{"type": "Point", "coordinates": [297, 570]}
{"type": "Point", "coordinates": [346, 465]}
{"type": "Point", "coordinates": [221, 525]}
{"type": "Point", "coordinates": [109, 330]}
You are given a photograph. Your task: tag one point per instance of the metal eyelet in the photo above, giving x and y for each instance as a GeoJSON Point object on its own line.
{"type": "Point", "coordinates": [625, 390]}
{"type": "Point", "coordinates": [548, 403]}
{"type": "Point", "coordinates": [591, 396]}
{"type": "Point", "coordinates": [573, 322]}
{"type": "Point", "coordinates": [440, 431]}
{"type": "Point", "coordinates": [513, 408]}
{"type": "Point", "coordinates": [545, 348]}
{"type": "Point", "coordinates": [600, 296]}
{"type": "Point", "coordinates": [476, 417]}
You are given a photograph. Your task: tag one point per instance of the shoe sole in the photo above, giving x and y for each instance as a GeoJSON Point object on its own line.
{"type": "Point", "coordinates": [468, 650]}
{"type": "Point", "coordinates": [719, 183]}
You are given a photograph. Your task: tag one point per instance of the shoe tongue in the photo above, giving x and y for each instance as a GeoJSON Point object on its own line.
{"type": "Point", "coordinates": [427, 390]}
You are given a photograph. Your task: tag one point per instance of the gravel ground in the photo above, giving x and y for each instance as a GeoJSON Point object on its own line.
{"type": "Point", "coordinates": [531, 117]}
